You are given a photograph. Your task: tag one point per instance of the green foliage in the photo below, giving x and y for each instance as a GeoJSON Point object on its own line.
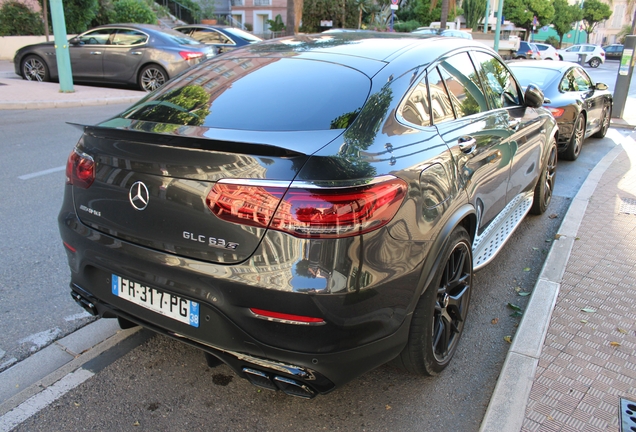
{"type": "Point", "coordinates": [17, 19]}
{"type": "Point", "coordinates": [105, 14]}
{"type": "Point", "coordinates": [133, 11]}
{"type": "Point", "coordinates": [565, 17]}
{"type": "Point", "coordinates": [625, 30]}
{"type": "Point", "coordinates": [522, 12]}
{"type": "Point", "coordinates": [474, 11]}
{"type": "Point", "coordinates": [277, 24]}
{"type": "Point", "coordinates": [207, 9]}
{"type": "Point", "coordinates": [594, 12]}
{"type": "Point", "coordinates": [315, 11]}
{"type": "Point", "coordinates": [78, 14]}
{"type": "Point", "coordinates": [407, 26]}
{"type": "Point", "coordinates": [551, 40]}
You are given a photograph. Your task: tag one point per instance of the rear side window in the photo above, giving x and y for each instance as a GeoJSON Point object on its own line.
{"type": "Point", "coordinates": [463, 84]}
{"type": "Point", "coordinates": [264, 93]}
{"type": "Point", "coordinates": [441, 107]}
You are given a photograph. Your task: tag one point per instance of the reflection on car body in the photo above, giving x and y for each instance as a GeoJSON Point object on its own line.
{"type": "Point", "coordinates": [370, 177]}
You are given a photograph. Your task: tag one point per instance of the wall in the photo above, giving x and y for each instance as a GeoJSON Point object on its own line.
{"type": "Point", "coordinates": [10, 44]}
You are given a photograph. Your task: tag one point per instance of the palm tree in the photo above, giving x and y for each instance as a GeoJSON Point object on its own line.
{"type": "Point", "coordinates": [446, 6]}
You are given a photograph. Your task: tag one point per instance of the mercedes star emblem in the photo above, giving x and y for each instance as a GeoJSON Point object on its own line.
{"type": "Point", "coordinates": [139, 195]}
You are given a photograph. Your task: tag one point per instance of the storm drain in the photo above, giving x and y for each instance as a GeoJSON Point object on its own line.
{"type": "Point", "coordinates": [628, 206]}
{"type": "Point", "coordinates": [628, 415]}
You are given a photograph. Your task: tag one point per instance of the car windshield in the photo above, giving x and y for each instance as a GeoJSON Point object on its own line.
{"type": "Point", "coordinates": [229, 94]}
{"type": "Point", "coordinates": [248, 37]}
{"type": "Point", "coordinates": [534, 75]}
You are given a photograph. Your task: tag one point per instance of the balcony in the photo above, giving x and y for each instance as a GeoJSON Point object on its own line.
{"type": "Point", "coordinates": [262, 2]}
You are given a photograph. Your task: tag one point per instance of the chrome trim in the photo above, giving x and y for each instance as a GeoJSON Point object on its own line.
{"type": "Point", "coordinates": [285, 321]}
{"type": "Point", "coordinates": [308, 185]}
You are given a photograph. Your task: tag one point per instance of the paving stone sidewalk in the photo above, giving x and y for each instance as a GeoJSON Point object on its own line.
{"type": "Point", "coordinates": [588, 359]}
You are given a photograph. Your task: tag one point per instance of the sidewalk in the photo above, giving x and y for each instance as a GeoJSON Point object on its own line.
{"type": "Point", "coordinates": [16, 93]}
{"type": "Point", "coordinates": [574, 354]}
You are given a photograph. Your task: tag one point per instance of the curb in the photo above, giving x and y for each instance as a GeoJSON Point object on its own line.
{"type": "Point", "coordinates": [507, 407]}
{"type": "Point", "coordinates": [22, 383]}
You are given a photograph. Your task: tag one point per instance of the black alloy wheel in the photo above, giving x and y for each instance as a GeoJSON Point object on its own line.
{"type": "Point", "coordinates": [152, 77]}
{"type": "Point", "coordinates": [34, 69]}
{"type": "Point", "coordinates": [440, 315]}
{"type": "Point", "coordinates": [605, 122]}
{"type": "Point", "coordinates": [545, 186]}
{"type": "Point", "coordinates": [576, 140]}
{"type": "Point", "coordinates": [595, 62]}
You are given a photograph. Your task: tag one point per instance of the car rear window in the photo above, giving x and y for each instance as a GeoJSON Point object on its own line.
{"type": "Point", "coordinates": [533, 75]}
{"type": "Point", "coordinates": [259, 94]}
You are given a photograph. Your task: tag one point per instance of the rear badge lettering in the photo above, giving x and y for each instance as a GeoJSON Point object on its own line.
{"type": "Point", "coordinates": [210, 241]}
{"type": "Point", "coordinates": [90, 210]}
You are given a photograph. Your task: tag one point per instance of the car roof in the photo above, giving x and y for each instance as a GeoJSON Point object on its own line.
{"type": "Point", "coordinates": [543, 64]}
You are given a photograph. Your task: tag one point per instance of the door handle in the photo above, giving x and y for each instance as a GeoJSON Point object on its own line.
{"type": "Point", "coordinates": [96, 52]}
{"type": "Point", "coordinates": [513, 123]}
{"type": "Point", "coordinates": [135, 52]}
{"type": "Point", "coordinates": [467, 144]}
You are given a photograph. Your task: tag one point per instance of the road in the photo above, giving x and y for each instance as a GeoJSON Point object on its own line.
{"type": "Point", "coordinates": [165, 385]}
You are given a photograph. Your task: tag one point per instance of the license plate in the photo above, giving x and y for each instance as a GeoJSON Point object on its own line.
{"type": "Point", "coordinates": [169, 305]}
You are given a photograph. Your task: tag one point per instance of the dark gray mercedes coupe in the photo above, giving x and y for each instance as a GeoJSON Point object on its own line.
{"type": "Point", "coordinates": [309, 208]}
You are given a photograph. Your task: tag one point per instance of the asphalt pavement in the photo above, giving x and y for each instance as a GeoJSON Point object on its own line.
{"type": "Point", "coordinates": [572, 360]}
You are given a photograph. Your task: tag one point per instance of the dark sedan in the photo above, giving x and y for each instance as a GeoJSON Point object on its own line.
{"type": "Point", "coordinates": [306, 209]}
{"type": "Point", "coordinates": [613, 52]}
{"type": "Point", "coordinates": [581, 107]}
{"type": "Point", "coordinates": [222, 38]}
{"type": "Point", "coordinates": [129, 54]}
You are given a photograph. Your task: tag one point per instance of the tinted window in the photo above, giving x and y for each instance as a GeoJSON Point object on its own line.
{"type": "Point", "coordinates": [415, 108]}
{"type": "Point", "coordinates": [499, 85]}
{"type": "Point", "coordinates": [96, 37]}
{"type": "Point", "coordinates": [129, 37]}
{"type": "Point", "coordinates": [210, 36]}
{"type": "Point", "coordinates": [264, 93]}
{"type": "Point", "coordinates": [463, 84]}
{"type": "Point", "coordinates": [533, 75]}
{"type": "Point", "coordinates": [575, 80]}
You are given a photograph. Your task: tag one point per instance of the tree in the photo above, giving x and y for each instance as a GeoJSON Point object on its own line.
{"type": "Point", "coordinates": [474, 11]}
{"type": "Point", "coordinates": [294, 15]}
{"type": "Point", "coordinates": [594, 12]}
{"type": "Point", "coordinates": [447, 5]}
{"type": "Point", "coordinates": [565, 17]}
{"type": "Point", "coordinates": [522, 13]}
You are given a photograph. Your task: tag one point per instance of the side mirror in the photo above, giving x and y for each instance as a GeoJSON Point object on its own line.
{"type": "Point", "coordinates": [533, 97]}
{"type": "Point", "coordinates": [600, 86]}
{"type": "Point", "coordinates": [75, 41]}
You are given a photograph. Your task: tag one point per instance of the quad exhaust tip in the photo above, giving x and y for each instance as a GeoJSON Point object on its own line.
{"type": "Point", "coordinates": [85, 303]}
{"type": "Point", "coordinates": [274, 382]}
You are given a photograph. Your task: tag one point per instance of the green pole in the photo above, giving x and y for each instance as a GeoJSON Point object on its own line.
{"type": "Point", "coordinates": [498, 28]}
{"type": "Point", "coordinates": [61, 47]}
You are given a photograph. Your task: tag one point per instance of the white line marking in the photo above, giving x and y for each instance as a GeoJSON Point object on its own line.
{"type": "Point", "coordinates": [41, 173]}
{"type": "Point", "coordinates": [41, 400]}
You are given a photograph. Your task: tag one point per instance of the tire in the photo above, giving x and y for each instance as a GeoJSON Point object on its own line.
{"type": "Point", "coordinates": [573, 149]}
{"type": "Point", "coordinates": [605, 122]}
{"type": "Point", "coordinates": [33, 68]}
{"type": "Point", "coordinates": [152, 77]}
{"type": "Point", "coordinates": [595, 62]}
{"type": "Point", "coordinates": [545, 186]}
{"type": "Point", "coordinates": [440, 314]}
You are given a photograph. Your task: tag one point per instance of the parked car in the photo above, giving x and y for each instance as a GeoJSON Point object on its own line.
{"type": "Point", "coordinates": [527, 50]}
{"type": "Point", "coordinates": [328, 226]}
{"type": "Point", "coordinates": [594, 54]}
{"type": "Point", "coordinates": [445, 33]}
{"type": "Point", "coordinates": [131, 54]}
{"type": "Point", "coordinates": [613, 52]}
{"type": "Point", "coordinates": [581, 107]}
{"type": "Point", "coordinates": [221, 37]}
{"type": "Point", "coordinates": [547, 51]}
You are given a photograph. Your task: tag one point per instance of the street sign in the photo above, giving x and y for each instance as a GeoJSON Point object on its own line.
{"type": "Point", "coordinates": [395, 2]}
{"type": "Point", "coordinates": [394, 7]}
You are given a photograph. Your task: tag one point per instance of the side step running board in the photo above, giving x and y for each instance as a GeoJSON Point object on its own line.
{"type": "Point", "coordinates": [487, 245]}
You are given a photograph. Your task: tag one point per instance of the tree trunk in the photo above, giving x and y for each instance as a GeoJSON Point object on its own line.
{"type": "Point", "coordinates": [298, 15]}
{"type": "Point", "coordinates": [290, 21]}
{"type": "Point", "coordinates": [444, 17]}
{"type": "Point", "coordinates": [344, 12]}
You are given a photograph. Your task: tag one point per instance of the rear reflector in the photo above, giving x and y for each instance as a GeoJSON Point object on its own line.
{"type": "Point", "coordinates": [556, 112]}
{"type": "Point", "coordinates": [286, 318]}
{"type": "Point", "coordinates": [309, 211]}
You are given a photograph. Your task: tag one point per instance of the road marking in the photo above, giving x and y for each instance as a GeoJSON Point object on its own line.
{"type": "Point", "coordinates": [41, 400]}
{"type": "Point", "coordinates": [41, 173]}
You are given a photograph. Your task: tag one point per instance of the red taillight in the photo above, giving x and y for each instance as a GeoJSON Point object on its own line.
{"type": "Point", "coordinates": [69, 247]}
{"type": "Point", "coordinates": [287, 318]}
{"type": "Point", "coordinates": [189, 55]}
{"type": "Point", "coordinates": [307, 212]}
{"type": "Point", "coordinates": [556, 112]}
{"type": "Point", "coordinates": [80, 170]}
